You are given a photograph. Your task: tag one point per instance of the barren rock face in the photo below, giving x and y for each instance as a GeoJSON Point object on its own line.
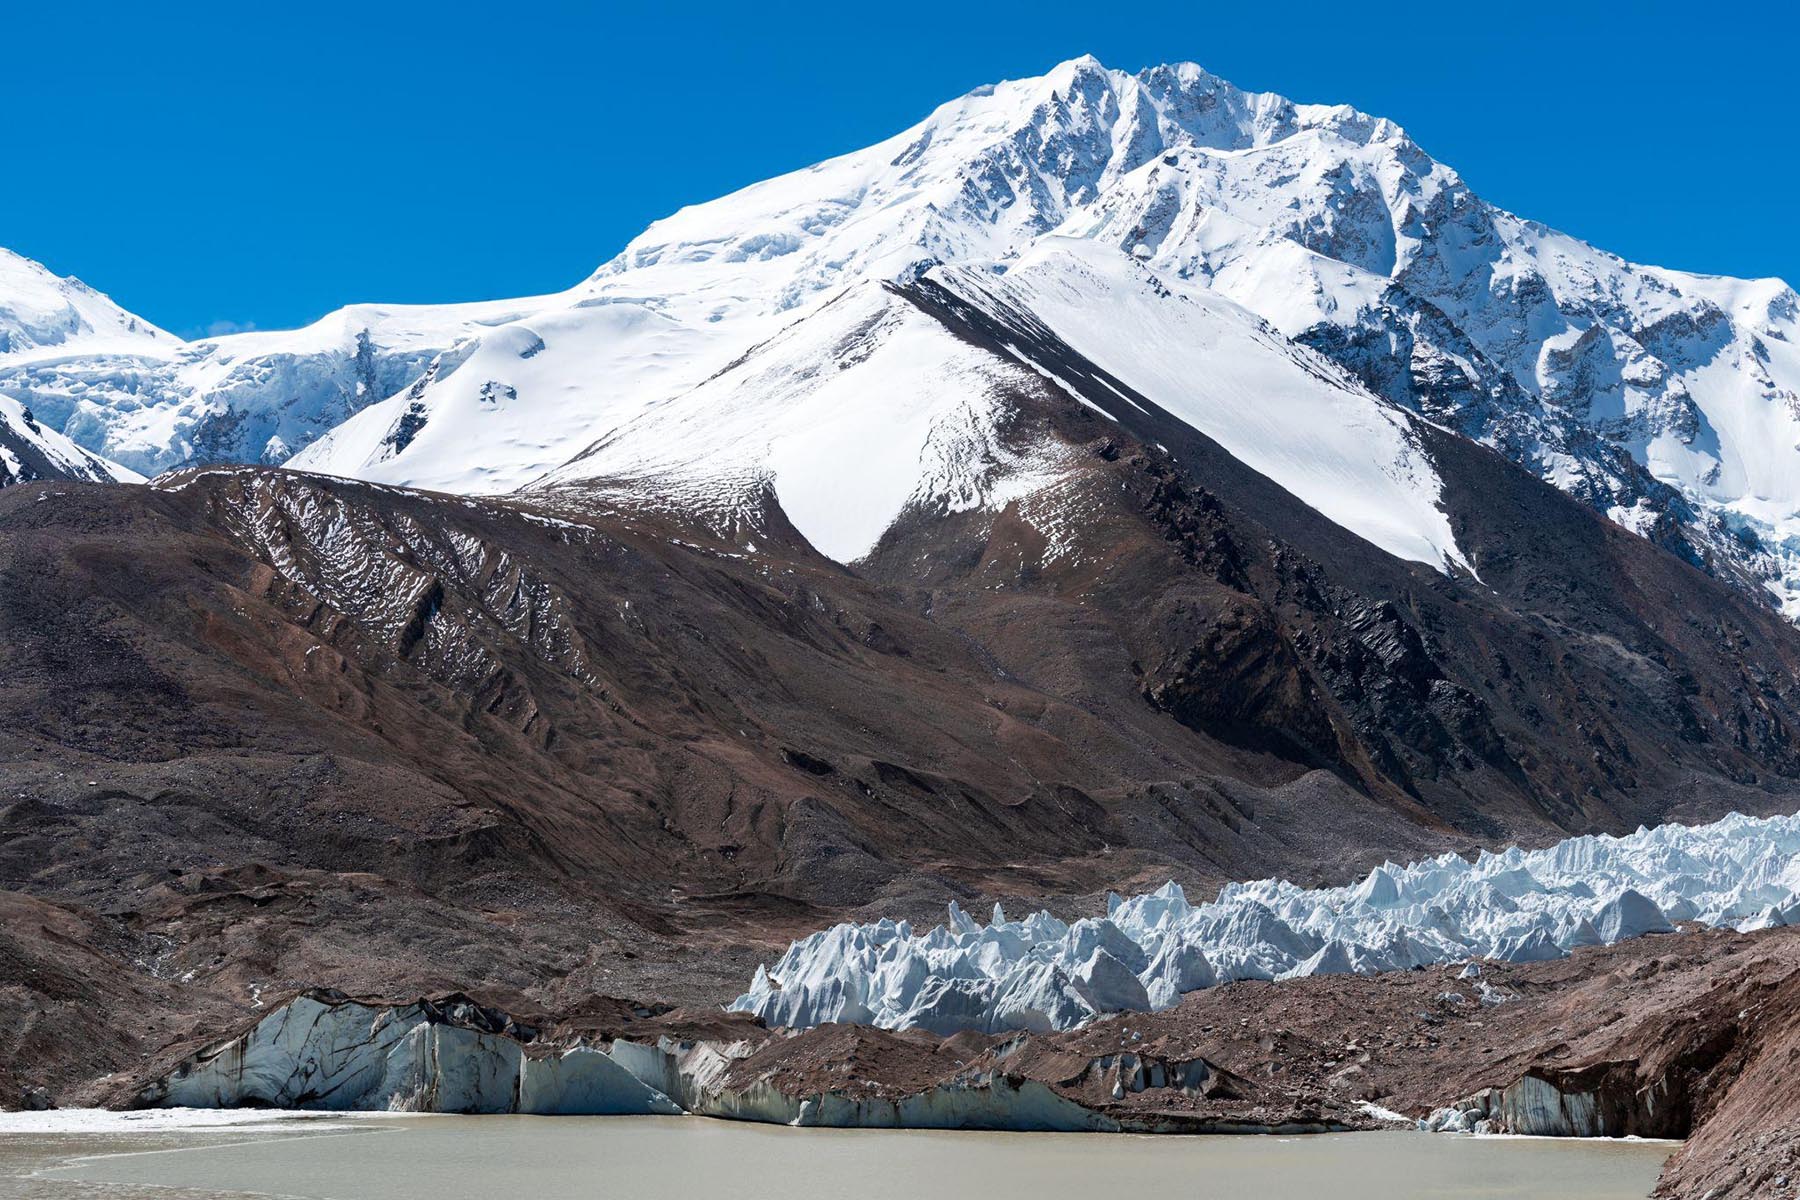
{"type": "Point", "coordinates": [246, 700]}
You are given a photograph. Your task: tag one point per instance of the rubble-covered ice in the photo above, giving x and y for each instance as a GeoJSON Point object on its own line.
{"type": "Point", "coordinates": [1042, 973]}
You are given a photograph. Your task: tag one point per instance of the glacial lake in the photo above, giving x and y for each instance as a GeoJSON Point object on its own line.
{"type": "Point", "coordinates": [335, 1157]}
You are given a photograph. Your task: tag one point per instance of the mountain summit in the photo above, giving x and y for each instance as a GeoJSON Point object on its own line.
{"type": "Point", "coordinates": [1669, 402]}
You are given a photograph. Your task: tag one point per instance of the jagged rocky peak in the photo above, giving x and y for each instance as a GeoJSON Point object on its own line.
{"type": "Point", "coordinates": [980, 178]}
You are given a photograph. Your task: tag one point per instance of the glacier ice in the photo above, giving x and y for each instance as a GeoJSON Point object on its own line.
{"type": "Point", "coordinates": [329, 1053]}
{"type": "Point", "coordinates": [1042, 973]}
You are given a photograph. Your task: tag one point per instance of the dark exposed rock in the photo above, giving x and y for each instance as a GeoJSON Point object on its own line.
{"type": "Point", "coordinates": [406, 428]}
{"type": "Point", "coordinates": [805, 762]}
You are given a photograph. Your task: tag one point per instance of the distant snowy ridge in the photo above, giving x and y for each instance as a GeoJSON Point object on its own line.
{"type": "Point", "coordinates": [157, 402]}
{"type": "Point", "coordinates": [1042, 973]}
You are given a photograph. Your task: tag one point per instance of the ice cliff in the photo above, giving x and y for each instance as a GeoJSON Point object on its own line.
{"type": "Point", "coordinates": [323, 1050]}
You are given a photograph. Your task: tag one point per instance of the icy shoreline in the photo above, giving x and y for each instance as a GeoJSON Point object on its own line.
{"type": "Point", "coordinates": [87, 1121]}
{"type": "Point", "coordinates": [1041, 973]}
{"type": "Point", "coordinates": [160, 1120]}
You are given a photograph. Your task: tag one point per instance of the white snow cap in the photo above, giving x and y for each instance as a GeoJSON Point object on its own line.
{"type": "Point", "coordinates": [1330, 225]}
{"type": "Point", "coordinates": [1041, 973]}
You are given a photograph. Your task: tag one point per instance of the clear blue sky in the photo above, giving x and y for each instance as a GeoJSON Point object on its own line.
{"type": "Point", "coordinates": [260, 164]}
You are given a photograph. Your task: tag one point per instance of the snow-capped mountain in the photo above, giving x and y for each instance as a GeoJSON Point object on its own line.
{"type": "Point", "coordinates": [1665, 400]}
{"type": "Point", "coordinates": [1154, 221]}
{"type": "Point", "coordinates": [693, 364]}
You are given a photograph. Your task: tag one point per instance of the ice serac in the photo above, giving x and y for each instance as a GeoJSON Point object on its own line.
{"type": "Point", "coordinates": [1146, 952]}
{"type": "Point", "coordinates": [323, 1050]}
{"type": "Point", "coordinates": [43, 316]}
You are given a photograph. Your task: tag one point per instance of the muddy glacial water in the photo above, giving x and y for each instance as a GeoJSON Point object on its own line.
{"type": "Point", "coordinates": [335, 1157]}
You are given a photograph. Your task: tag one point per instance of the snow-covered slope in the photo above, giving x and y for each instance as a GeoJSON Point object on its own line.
{"type": "Point", "coordinates": [39, 309]}
{"type": "Point", "coordinates": [508, 403]}
{"type": "Point", "coordinates": [1042, 973]}
{"type": "Point", "coordinates": [29, 450]}
{"type": "Point", "coordinates": [847, 418]}
{"type": "Point", "coordinates": [867, 407]}
{"type": "Point", "coordinates": [1665, 400]}
{"type": "Point", "coordinates": [1276, 406]}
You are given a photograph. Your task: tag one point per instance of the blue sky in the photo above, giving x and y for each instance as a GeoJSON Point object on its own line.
{"type": "Point", "coordinates": [259, 165]}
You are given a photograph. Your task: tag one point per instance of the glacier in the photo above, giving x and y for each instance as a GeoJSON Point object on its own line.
{"type": "Point", "coordinates": [1041, 973]}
